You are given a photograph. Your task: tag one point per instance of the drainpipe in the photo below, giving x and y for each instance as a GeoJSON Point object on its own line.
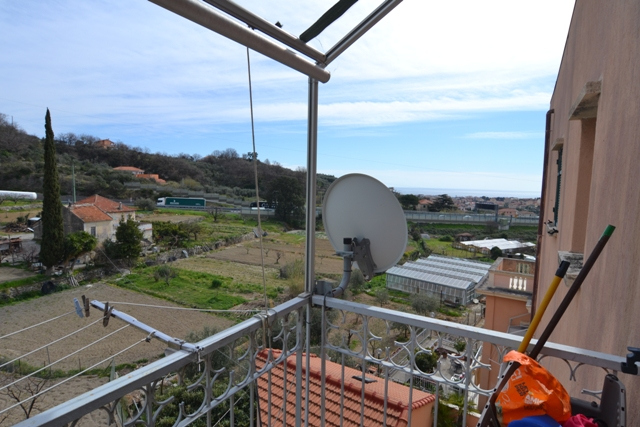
{"type": "Point", "coordinates": [536, 277]}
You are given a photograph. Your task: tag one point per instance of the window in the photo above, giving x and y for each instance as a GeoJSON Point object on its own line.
{"type": "Point", "coordinates": [556, 206]}
{"type": "Point", "coordinates": [93, 231]}
{"type": "Point", "coordinates": [585, 111]}
{"type": "Point", "coordinates": [523, 268]}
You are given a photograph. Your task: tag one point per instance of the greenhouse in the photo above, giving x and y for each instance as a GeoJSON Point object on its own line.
{"type": "Point", "coordinates": [449, 280]}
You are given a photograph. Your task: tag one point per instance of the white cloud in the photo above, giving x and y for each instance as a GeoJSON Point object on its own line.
{"type": "Point", "coordinates": [501, 135]}
{"type": "Point", "coordinates": [132, 71]}
{"type": "Point", "coordinates": [383, 113]}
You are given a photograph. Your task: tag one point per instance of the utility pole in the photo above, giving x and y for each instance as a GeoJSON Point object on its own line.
{"type": "Point", "coordinates": [73, 179]}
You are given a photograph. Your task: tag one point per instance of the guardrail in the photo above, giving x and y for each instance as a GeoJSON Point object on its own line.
{"type": "Point", "coordinates": [235, 377]}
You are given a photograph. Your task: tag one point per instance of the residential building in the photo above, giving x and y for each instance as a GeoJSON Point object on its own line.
{"type": "Point", "coordinates": [464, 237]}
{"type": "Point", "coordinates": [508, 292]}
{"type": "Point", "coordinates": [508, 212]}
{"type": "Point", "coordinates": [423, 204]}
{"type": "Point", "coordinates": [139, 173]}
{"type": "Point", "coordinates": [348, 395]}
{"type": "Point", "coordinates": [104, 143]}
{"type": "Point", "coordinates": [590, 180]}
{"type": "Point", "coordinates": [97, 216]}
{"type": "Point", "coordinates": [484, 246]}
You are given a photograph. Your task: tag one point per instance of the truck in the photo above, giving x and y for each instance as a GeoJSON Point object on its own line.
{"type": "Point", "coordinates": [182, 202]}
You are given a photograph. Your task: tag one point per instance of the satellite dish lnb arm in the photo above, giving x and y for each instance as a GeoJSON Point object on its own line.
{"type": "Point", "coordinates": [347, 257]}
{"type": "Point", "coordinates": [358, 251]}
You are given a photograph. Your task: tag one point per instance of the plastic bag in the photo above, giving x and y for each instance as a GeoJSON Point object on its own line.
{"type": "Point", "coordinates": [531, 391]}
{"type": "Point", "coordinates": [580, 421]}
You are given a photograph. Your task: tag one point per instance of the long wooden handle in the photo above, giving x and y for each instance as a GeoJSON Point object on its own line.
{"type": "Point", "coordinates": [575, 287]}
{"type": "Point", "coordinates": [562, 270]}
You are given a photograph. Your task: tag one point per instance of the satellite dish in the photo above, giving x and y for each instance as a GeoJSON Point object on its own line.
{"type": "Point", "coordinates": [360, 206]}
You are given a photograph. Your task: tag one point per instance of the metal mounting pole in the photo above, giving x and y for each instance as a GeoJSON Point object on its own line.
{"type": "Point", "coordinates": [312, 151]}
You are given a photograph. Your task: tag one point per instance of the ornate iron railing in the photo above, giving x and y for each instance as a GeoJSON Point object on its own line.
{"type": "Point", "coordinates": [229, 378]}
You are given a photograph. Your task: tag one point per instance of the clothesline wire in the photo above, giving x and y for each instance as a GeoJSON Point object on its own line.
{"type": "Point", "coordinates": [166, 307]}
{"type": "Point", "coordinates": [52, 342]}
{"type": "Point", "coordinates": [76, 375]}
{"type": "Point", "coordinates": [38, 324]}
{"type": "Point", "coordinates": [63, 358]}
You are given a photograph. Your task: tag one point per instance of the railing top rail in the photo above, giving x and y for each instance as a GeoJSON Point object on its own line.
{"type": "Point", "coordinates": [575, 354]}
{"type": "Point", "coordinates": [111, 391]}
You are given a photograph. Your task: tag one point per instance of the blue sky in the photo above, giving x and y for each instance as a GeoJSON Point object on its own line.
{"type": "Point", "coordinates": [437, 95]}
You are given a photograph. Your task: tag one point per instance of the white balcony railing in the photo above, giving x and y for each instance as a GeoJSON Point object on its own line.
{"type": "Point", "coordinates": [232, 378]}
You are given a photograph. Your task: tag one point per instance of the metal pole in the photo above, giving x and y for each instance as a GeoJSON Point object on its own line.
{"type": "Point", "coordinates": [360, 29]}
{"type": "Point", "coordinates": [208, 17]}
{"type": "Point", "coordinates": [312, 149]}
{"type": "Point", "coordinates": [260, 24]}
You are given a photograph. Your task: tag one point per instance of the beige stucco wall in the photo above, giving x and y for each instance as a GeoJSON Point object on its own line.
{"type": "Point", "coordinates": [103, 230]}
{"type": "Point", "coordinates": [499, 310]}
{"type": "Point", "coordinates": [603, 45]}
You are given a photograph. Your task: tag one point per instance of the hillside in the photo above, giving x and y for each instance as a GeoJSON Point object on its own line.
{"type": "Point", "coordinates": [223, 172]}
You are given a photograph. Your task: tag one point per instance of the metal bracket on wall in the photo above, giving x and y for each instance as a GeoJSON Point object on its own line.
{"type": "Point", "coordinates": [631, 365]}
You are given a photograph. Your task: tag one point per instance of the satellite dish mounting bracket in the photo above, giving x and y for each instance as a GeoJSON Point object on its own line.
{"type": "Point", "coordinates": [362, 255]}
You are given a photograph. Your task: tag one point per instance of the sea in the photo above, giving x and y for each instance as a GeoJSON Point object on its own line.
{"type": "Point", "coordinates": [464, 192]}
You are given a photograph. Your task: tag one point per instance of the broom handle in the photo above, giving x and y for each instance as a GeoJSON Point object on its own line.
{"type": "Point", "coordinates": [562, 270]}
{"type": "Point", "coordinates": [575, 287]}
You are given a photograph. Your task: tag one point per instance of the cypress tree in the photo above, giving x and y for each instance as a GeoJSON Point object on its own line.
{"type": "Point", "coordinates": [52, 245]}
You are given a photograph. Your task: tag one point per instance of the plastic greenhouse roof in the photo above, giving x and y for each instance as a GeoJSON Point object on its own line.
{"type": "Point", "coordinates": [437, 269]}
{"type": "Point", "coordinates": [431, 278]}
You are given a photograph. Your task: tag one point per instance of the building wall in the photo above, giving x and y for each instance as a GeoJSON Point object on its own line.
{"type": "Point", "coordinates": [600, 186]}
{"type": "Point", "coordinates": [499, 310]}
{"type": "Point", "coordinates": [103, 230]}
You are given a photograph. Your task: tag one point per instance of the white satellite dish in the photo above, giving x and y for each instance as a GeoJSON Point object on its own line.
{"type": "Point", "coordinates": [360, 206]}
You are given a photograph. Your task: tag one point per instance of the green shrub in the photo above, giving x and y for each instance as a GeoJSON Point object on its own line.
{"type": "Point", "coordinates": [292, 270]}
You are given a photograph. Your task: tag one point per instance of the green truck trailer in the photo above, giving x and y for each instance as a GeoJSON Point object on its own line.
{"type": "Point", "coordinates": [182, 202]}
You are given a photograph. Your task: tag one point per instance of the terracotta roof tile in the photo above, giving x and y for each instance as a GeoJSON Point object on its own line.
{"type": "Point", "coordinates": [106, 205]}
{"type": "Point", "coordinates": [89, 213]}
{"type": "Point", "coordinates": [352, 410]}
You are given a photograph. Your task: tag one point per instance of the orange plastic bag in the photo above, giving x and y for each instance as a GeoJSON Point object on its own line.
{"type": "Point", "coordinates": [531, 391]}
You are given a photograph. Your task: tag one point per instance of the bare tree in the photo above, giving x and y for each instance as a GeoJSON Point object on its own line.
{"type": "Point", "coordinates": [278, 256]}
{"type": "Point", "coordinates": [27, 393]}
{"type": "Point", "coordinates": [30, 254]}
{"type": "Point", "coordinates": [215, 213]}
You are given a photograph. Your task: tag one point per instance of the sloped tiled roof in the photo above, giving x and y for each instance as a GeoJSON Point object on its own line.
{"type": "Point", "coordinates": [89, 213]}
{"type": "Point", "coordinates": [397, 396]}
{"type": "Point", "coordinates": [104, 143]}
{"type": "Point", "coordinates": [106, 205]}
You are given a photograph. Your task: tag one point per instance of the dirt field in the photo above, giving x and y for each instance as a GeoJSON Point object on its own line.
{"type": "Point", "coordinates": [14, 318]}
{"type": "Point", "coordinates": [8, 274]}
{"type": "Point", "coordinates": [242, 262]}
{"type": "Point", "coordinates": [249, 253]}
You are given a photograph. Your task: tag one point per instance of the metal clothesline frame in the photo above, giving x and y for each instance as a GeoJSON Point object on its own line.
{"type": "Point", "coordinates": [268, 39]}
{"type": "Point", "coordinates": [277, 44]}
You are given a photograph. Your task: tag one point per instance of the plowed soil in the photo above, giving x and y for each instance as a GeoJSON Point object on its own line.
{"type": "Point", "coordinates": [82, 332]}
